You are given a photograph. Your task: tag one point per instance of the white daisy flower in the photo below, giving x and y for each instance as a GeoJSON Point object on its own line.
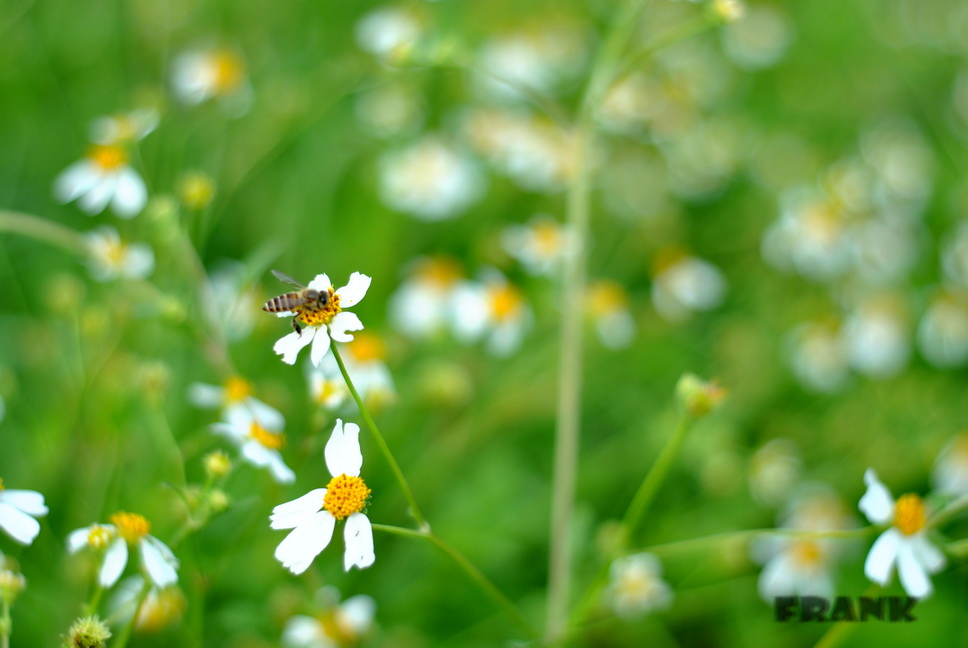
{"type": "Point", "coordinates": [430, 180]}
{"type": "Point", "coordinates": [539, 57]}
{"type": "Point", "coordinates": [608, 306]}
{"type": "Point", "coordinates": [943, 330]}
{"type": "Point", "coordinates": [388, 32]}
{"type": "Point", "coordinates": [773, 471]}
{"type": "Point", "coordinates": [124, 128]}
{"type": "Point", "coordinates": [817, 356]}
{"type": "Point", "coordinates": [950, 475]}
{"type": "Point", "coordinates": [326, 384]}
{"type": "Point", "coordinates": [330, 322]}
{"type": "Point", "coordinates": [18, 508]}
{"type": "Point", "coordinates": [540, 246]}
{"type": "Point", "coordinates": [684, 285]}
{"type": "Point", "coordinates": [102, 178]}
{"type": "Point", "coordinates": [126, 529]}
{"type": "Point", "coordinates": [313, 516]}
{"type": "Point", "coordinates": [365, 360]}
{"type": "Point", "coordinates": [905, 543]}
{"type": "Point", "coordinates": [203, 74]}
{"type": "Point", "coordinates": [337, 624]}
{"type": "Point", "coordinates": [111, 258]}
{"type": "Point", "coordinates": [259, 440]}
{"type": "Point", "coordinates": [810, 237]}
{"type": "Point", "coordinates": [424, 305]}
{"type": "Point", "coordinates": [635, 585]}
{"type": "Point", "coordinates": [494, 309]}
{"type": "Point", "coordinates": [877, 338]}
{"type": "Point", "coordinates": [235, 395]}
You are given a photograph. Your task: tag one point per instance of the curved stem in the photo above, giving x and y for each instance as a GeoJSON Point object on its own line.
{"type": "Point", "coordinates": [5, 625]}
{"type": "Point", "coordinates": [654, 478]}
{"type": "Point", "coordinates": [125, 633]}
{"type": "Point", "coordinates": [43, 230]}
{"type": "Point", "coordinates": [91, 607]}
{"type": "Point", "coordinates": [384, 448]}
{"type": "Point", "coordinates": [695, 544]}
{"type": "Point", "coordinates": [953, 508]}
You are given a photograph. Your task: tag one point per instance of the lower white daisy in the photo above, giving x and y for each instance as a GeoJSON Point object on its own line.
{"type": "Point", "coordinates": [905, 543]}
{"type": "Point", "coordinates": [111, 258]}
{"type": "Point", "coordinates": [636, 586]}
{"type": "Point", "coordinates": [103, 178]}
{"type": "Point", "coordinates": [338, 624]}
{"type": "Point", "coordinates": [313, 516]}
{"type": "Point", "coordinates": [424, 304]}
{"type": "Point", "coordinates": [157, 560]}
{"type": "Point", "coordinates": [259, 440]}
{"type": "Point", "coordinates": [234, 394]}
{"type": "Point", "coordinates": [608, 306]}
{"type": "Point", "coordinates": [18, 508]}
{"type": "Point", "coordinates": [684, 285]}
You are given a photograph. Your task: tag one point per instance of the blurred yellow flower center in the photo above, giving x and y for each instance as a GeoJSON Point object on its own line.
{"type": "Point", "coordinates": [131, 526]}
{"type": "Point", "coordinates": [441, 271]}
{"type": "Point", "coordinates": [367, 347]}
{"type": "Point", "coordinates": [337, 627]}
{"type": "Point", "coordinates": [237, 389]}
{"type": "Point", "coordinates": [196, 190]}
{"type": "Point", "coordinates": [636, 586]}
{"type": "Point", "coordinates": [547, 238]}
{"type": "Point", "coordinates": [909, 514]}
{"type": "Point", "coordinates": [505, 300]}
{"type": "Point", "coordinates": [108, 158]}
{"type": "Point", "coordinates": [113, 252]}
{"type": "Point", "coordinates": [606, 297]}
{"type": "Point", "coordinates": [806, 553]}
{"type": "Point", "coordinates": [327, 390]}
{"type": "Point", "coordinates": [345, 495]}
{"type": "Point", "coordinates": [271, 440]}
{"type": "Point", "coordinates": [227, 71]}
{"type": "Point", "coordinates": [161, 609]}
{"type": "Point", "coordinates": [99, 537]}
{"type": "Point", "coordinates": [323, 316]}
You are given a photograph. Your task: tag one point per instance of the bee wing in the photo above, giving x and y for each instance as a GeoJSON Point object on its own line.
{"type": "Point", "coordinates": [283, 277]}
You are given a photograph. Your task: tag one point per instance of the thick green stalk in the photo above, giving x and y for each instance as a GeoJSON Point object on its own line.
{"type": "Point", "coordinates": [43, 230]}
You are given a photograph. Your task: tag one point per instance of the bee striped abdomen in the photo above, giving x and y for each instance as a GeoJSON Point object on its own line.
{"type": "Point", "coordinates": [283, 303]}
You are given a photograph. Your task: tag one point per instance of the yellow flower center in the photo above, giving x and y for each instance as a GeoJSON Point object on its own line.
{"type": "Point", "coordinates": [505, 300]}
{"type": "Point", "coordinates": [160, 609]}
{"type": "Point", "coordinates": [99, 537]}
{"type": "Point", "coordinates": [237, 389]}
{"type": "Point", "coordinates": [909, 514]}
{"type": "Point", "coordinates": [323, 316]}
{"type": "Point", "coordinates": [367, 347]}
{"type": "Point", "coordinates": [547, 238]}
{"type": "Point", "coordinates": [131, 526]}
{"type": "Point", "coordinates": [337, 627]}
{"type": "Point", "coordinates": [114, 252]}
{"type": "Point", "coordinates": [806, 553]}
{"type": "Point", "coordinates": [327, 389]}
{"type": "Point", "coordinates": [345, 495]}
{"type": "Point", "coordinates": [442, 272]}
{"type": "Point", "coordinates": [227, 71]}
{"type": "Point", "coordinates": [606, 297]}
{"type": "Point", "coordinates": [108, 158]}
{"type": "Point", "coordinates": [271, 440]}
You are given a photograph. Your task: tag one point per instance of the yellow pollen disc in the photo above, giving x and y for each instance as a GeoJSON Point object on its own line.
{"type": "Point", "coordinates": [606, 297]}
{"type": "Point", "coordinates": [441, 271]}
{"type": "Point", "coordinates": [131, 526]}
{"type": "Point", "coordinates": [271, 440]}
{"type": "Point", "coordinates": [337, 627]}
{"type": "Point", "coordinates": [327, 390]}
{"type": "Point", "coordinates": [321, 317]}
{"type": "Point", "coordinates": [806, 553]}
{"type": "Point", "coordinates": [99, 537]}
{"type": "Point", "coordinates": [237, 389]}
{"type": "Point", "coordinates": [114, 252]}
{"type": "Point", "coordinates": [227, 71]}
{"type": "Point", "coordinates": [345, 495]}
{"type": "Point", "coordinates": [909, 514]}
{"type": "Point", "coordinates": [108, 158]}
{"type": "Point", "coordinates": [367, 347]}
{"type": "Point", "coordinates": [505, 300]}
{"type": "Point", "coordinates": [547, 238]}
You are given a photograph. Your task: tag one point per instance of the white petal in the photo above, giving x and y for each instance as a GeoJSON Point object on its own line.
{"type": "Point", "coordinates": [342, 324]}
{"type": "Point", "coordinates": [776, 579]}
{"type": "Point", "coordinates": [130, 194]}
{"type": "Point", "coordinates": [140, 261]}
{"type": "Point", "coordinates": [282, 473]}
{"type": "Point", "coordinates": [290, 345]}
{"type": "Point", "coordinates": [28, 501]}
{"type": "Point", "coordinates": [115, 560]}
{"type": "Point", "coordinates": [76, 180]}
{"type": "Point", "coordinates": [18, 524]}
{"type": "Point", "coordinates": [877, 503]}
{"type": "Point", "coordinates": [98, 197]}
{"type": "Point", "coordinates": [304, 632]}
{"type": "Point", "coordinates": [911, 572]}
{"type": "Point", "coordinates": [77, 539]}
{"type": "Point", "coordinates": [359, 611]}
{"type": "Point", "coordinates": [927, 554]}
{"type": "Point", "coordinates": [320, 282]}
{"type": "Point", "coordinates": [268, 417]}
{"type": "Point", "coordinates": [882, 555]}
{"type": "Point", "coordinates": [343, 456]}
{"type": "Point", "coordinates": [155, 561]}
{"type": "Point", "coordinates": [359, 542]}
{"type": "Point", "coordinates": [320, 346]}
{"type": "Point", "coordinates": [297, 551]}
{"type": "Point", "coordinates": [207, 396]}
{"type": "Point", "coordinates": [354, 291]}
{"type": "Point", "coordinates": [293, 513]}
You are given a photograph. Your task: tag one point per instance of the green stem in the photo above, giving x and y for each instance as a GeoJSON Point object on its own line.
{"type": "Point", "coordinates": [955, 507]}
{"type": "Point", "coordinates": [671, 37]}
{"type": "Point", "coordinates": [91, 607]}
{"type": "Point", "coordinates": [384, 448]}
{"type": "Point", "coordinates": [6, 625]}
{"type": "Point", "coordinates": [656, 475]}
{"type": "Point", "coordinates": [122, 638]}
{"type": "Point", "coordinates": [574, 279]}
{"type": "Point", "coordinates": [43, 230]}
{"type": "Point", "coordinates": [695, 544]}
{"type": "Point", "coordinates": [482, 581]}
{"type": "Point", "coordinates": [958, 549]}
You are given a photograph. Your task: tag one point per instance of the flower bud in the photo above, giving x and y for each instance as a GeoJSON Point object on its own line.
{"type": "Point", "coordinates": [88, 632]}
{"type": "Point", "coordinates": [196, 190]}
{"type": "Point", "coordinates": [11, 584]}
{"type": "Point", "coordinates": [218, 501]}
{"type": "Point", "coordinates": [697, 396]}
{"type": "Point", "coordinates": [217, 464]}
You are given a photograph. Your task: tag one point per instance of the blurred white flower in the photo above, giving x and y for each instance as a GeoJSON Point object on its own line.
{"type": "Point", "coordinates": [111, 258]}
{"type": "Point", "coordinates": [326, 384]}
{"type": "Point", "coordinates": [760, 39]}
{"type": "Point", "coordinates": [950, 474]}
{"type": "Point", "coordinates": [18, 508]}
{"type": "Point", "coordinates": [539, 58]}
{"type": "Point", "coordinates": [629, 104]}
{"type": "Point", "coordinates": [684, 285]}
{"type": "Point", "coordinates": [102, 178]}
{"type": "Point", "coordinates": [207, 73]}
{"type": "Point", "coordinates": [157, 560]}
{"type": "Point", "coordinates": [430, 180]}
{"type": "Point", "coordinates": [884, 250]}
{"type": "Point", "coordinates": [636, 586]}
{"type": "Point", "coordinates": [330, 322]}
{"type": "Point", "coordinates": [608, 307]}
{"type": "Point", "coordinates": [313, 516]}
{"type": "Point", "coordinates": [540, 246]}
{"type": "Point", "coordinates": [161, 607]}
{"type": "Point", "coordinates": [388, 32]}
{"type": "Point", "coordinates": [389, 110]}
{"type": "Point", "coordinates": [259, 439]}
{"type": "Point", "coordinates": [425, 303]}
{"type": "Point", "coordinates": [365, 360]}
{"type": "Point", "coordinates": [236, 300]}
{"type": "Point", "coordinates": [943, 330]}
{"type": "Point", "coordinates": [877, 338]}
{"type": "Point", "coordinates": [124, 128]}
{"type": "Point", "coordinates": [954, 255]}
{"type": "Point", "coordinates": [495, 310]}
{"type": "Point", "coordinates": [905, 543]}
{"type": "Point", "coordinates": [774, 470]}
{"type": "Point", "coordinates": [817, 356]}
{"type": "Point", "coordinates": [234, 395]}
{"type": "Point", "coordinates": [335, 625]}
{"type": "Point", "coordinates": [810, 237]}
{"type": "Point", "coordinates": [903, 161]}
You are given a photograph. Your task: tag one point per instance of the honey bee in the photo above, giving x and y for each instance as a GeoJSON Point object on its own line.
{"type": "Point", "coordinates": [308, 300]}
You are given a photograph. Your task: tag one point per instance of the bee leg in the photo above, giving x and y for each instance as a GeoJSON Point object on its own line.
{"type": "Point", "coordinates": [295, 326]}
